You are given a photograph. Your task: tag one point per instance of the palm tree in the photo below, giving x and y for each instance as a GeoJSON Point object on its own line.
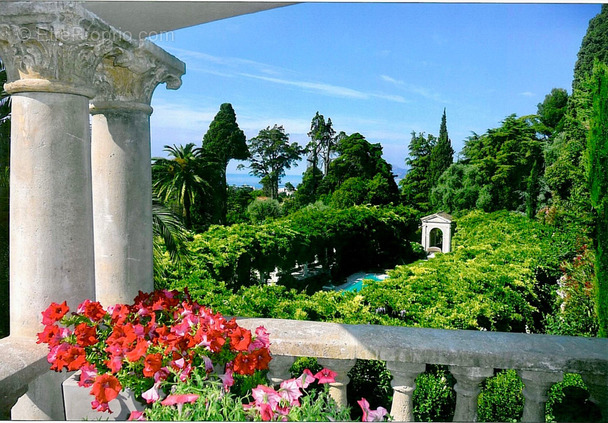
{"type": "Point", "coordinates": [168, 230]}
{"type": "Point", "coordinates": [180, 178]}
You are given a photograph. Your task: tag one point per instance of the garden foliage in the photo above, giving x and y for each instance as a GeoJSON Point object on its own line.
{"type": "Point", "coordinates": [342, 241]}
{"type": "Point", "coordinates": [502, 275]}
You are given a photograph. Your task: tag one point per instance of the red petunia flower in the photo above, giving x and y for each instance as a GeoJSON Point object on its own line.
{"type": "Point", "coordinates": [54, 312]}
{"type": "Point", "coordinates": [52, 335]}
{"type": "Point", "coordinates": [94, 311]}
{"type": "Point", "coordinates": [57, 356]}
{"type": "Point", "coordinates": [240, 339]}
{"type": "Point", "coordinates": [263, 358]}
{"type": "Point", "coordinates": [85, 335]}
{"type": "Point", "coordinates": [105, 388]}
{"type": "Point", "coordinates": [152, 364]}
{"type": "Point", "coordinates": [245, 364]}
{"type": "Point", "coordinates": [138, 351]}
{"type": "Point", "coordinates": [75, 357]}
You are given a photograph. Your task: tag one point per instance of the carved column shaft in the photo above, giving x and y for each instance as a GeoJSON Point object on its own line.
{"type": "Point", "coordinates": [50, 51]}
{"type": "Point", "coordinates": [122, 180]}
{"type": "Point", "coordinates": [468, 380]}
{"type": "Point", "coordinates": [279, 368]}
{"type": "Point", "coordinates": [337, 390]}
{"type": "Point", "coordinates": [536, 387]}
{"type": "Point", "coordinates": [122, 205]}
{"type": "Point", "coordinates": [403, 383]}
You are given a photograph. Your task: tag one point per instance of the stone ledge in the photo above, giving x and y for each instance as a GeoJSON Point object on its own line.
{"type": "Point", "coordinates": [21, 362]}
{"type": "Point", "coordinates": [547, 353]}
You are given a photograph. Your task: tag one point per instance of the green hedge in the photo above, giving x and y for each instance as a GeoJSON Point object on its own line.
{"type": "Point", "coordinates": [343, 241]}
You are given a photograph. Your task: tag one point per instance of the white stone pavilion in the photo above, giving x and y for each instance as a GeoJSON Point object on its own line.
{"type": "Point", "coordinates": [81, 76]}
{"type": "Point", "coordinates": [437, 233]}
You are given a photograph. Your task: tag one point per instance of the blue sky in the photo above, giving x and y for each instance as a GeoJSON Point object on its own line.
{"type": "Point", "coordinates": [383, 70]}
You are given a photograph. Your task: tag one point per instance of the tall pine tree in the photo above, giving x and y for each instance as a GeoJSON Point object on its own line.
{"type": "Point", "coordinates": [442, 154]}
{"type": "Point", "coordinates": [415, 187]}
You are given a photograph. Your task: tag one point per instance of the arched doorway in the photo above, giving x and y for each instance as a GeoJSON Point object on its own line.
{"type": "Point", "coordinates": [436, 238]}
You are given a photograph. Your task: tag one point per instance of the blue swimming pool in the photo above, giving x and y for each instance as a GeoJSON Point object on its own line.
{"type": "Point", "coordinates": [355, 282]}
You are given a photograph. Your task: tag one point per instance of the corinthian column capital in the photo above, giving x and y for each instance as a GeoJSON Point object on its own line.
{"type": "Point", "coordinates": [127, 79]}
{"type": "Point", "coordinates": [53, 46]}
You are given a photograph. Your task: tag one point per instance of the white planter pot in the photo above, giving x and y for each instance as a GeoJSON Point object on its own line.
{"type": "Point", "coordinates": [77, 402]}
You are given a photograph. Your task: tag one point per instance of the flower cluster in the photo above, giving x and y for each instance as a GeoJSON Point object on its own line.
{"type": "Point", "coordinates": [275, 405]}
{"type": "Point", "coordinates": [147, 345]}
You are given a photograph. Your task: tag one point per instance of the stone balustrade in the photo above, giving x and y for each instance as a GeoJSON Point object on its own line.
{"type": "Point", "coordinates": [471, 356]}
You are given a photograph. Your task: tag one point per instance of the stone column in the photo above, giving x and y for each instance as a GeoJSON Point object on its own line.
{"type": "Point", "coordinates": [536, 387]}
{"type": "Point", "coordinates": [403, 383]}
{"type": "Point", "coordinates": [278, 368]}
{"type": "Point", "coordinates": [50, 51]}
{"type": "Point", "coordinates": [468, 380]}
{"type": "Point", "coordinates": [122, 181]}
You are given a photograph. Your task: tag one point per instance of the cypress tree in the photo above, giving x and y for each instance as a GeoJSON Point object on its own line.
{"type": "Point", "coordinates": [593, 47]}
{"type": "Point", "coordinates": [597, 158]}
{"type": "Point", "coordinates": [442, 154]}
{"type": "Point", "coordinates": [223, 142]}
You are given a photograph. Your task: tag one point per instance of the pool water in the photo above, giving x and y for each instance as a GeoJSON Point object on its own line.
{"type": "Point", "coordinates": [355, 282]}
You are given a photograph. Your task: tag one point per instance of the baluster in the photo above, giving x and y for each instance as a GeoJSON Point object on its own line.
{"type": "Point", "coordinates": [337, 390]}
{"type": "Point", "coordinates": [468, 380]}
{"type": "Point", "coordinates": [403, 383]}
{"type": "Point", "coordinates": [536, 385]}
{"type": "Point", "coordinates": [598, 390]}
{"type": "Point", "coordinates": [278, 368]}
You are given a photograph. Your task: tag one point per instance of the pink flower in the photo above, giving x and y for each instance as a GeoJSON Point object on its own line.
{"type": "Point", "coordinates": [290, 391]}
{"type": "Point", "coordinates": [265, 395]}
{"type": "Point", "coordinates": [326, 376]}
{"type": "Point", "coordinates": [227, 379]}
{"type": "Point", "coordinates": [266, 412]}
{"type": "Point", "coordinates": [179, 399]}
{"type": "Point", "coordinates": [162, 374]}
{"type": "Point", "coordinates": [137, 415]}
{"type": "Point", "coordinates": [305, 379]}
{"type": "Point", "coordinates": [87, 375]}
{"type": "Point", "coordinates": [185, 374]}
{"type": "Point", "coordinates": [208, 364]}
{"type": "Point", "coordinates": [262, 339]}
{"type": "Point", "coordinates": [152, 394]}
{"type": "Point", "coordinates": [100, 406]}
{"type": "Point", "coordinates": [371, 415]}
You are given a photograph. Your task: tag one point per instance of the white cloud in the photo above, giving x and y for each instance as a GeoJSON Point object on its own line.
{"type": "Point", "coordinates": [328, 89]}
{"type": "Point", "coordinates": [527, 94]}
{"type": "Point", "coordinates": [391, 80]}
{"type": "Point", "coordinates": [230, 67]}
{"type": "Point", "coordinates": [181, 115]}
{"type": "Point", "coordinates": [196, 60]}
{"type": "Point", "coordinates": [415, 89]}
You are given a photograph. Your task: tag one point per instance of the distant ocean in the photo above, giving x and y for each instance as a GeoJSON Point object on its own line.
{"type": "Point", "coordinates": [239, 179]}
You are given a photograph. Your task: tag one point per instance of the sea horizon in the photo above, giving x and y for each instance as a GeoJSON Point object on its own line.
{"type": "Point", "coordinates": [240, 179]}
